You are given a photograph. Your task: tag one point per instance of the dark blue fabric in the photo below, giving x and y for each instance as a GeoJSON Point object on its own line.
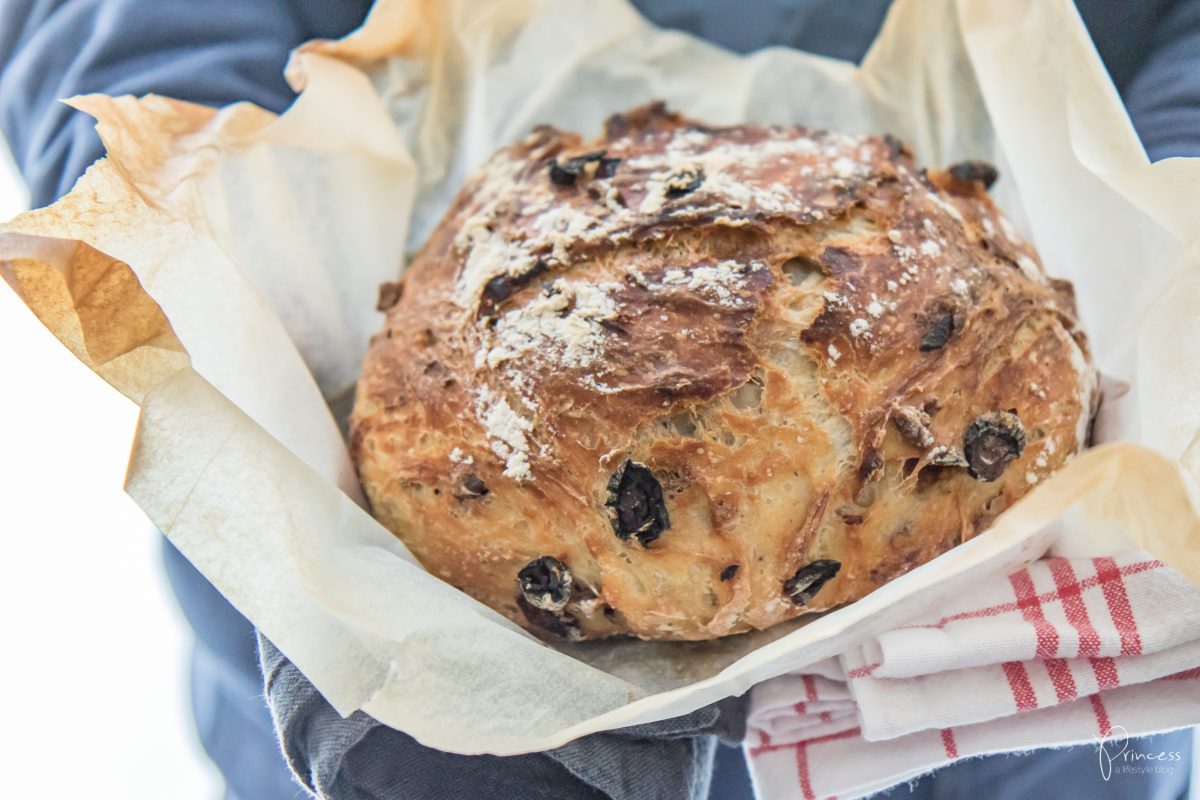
{"type": "Point", "coordinates": [236, 731]}
{"type": "Point", "coordinates": [231, 715]}
{"type": "Point", "coordinates": [220, 51]}
{"type": "Point", "coordinates": [1163, 93]}
{"type": "Point", "coordinates": [731, 776]}
{"type": "Point", "coordinates": [207, 51]}
{"type": "Point", "coordinates": [1151, 48]}
{"type": "Point", "coordinates": [217, 51]}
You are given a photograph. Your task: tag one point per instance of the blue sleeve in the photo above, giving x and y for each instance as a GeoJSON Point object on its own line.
{"type": "Point", "coordinates": [1163, 97]}
{"type": "Point", "coordinates": [211, 52]}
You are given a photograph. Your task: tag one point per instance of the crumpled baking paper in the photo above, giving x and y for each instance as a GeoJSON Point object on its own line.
{"type": "Point", "coordinates": [219, 268]}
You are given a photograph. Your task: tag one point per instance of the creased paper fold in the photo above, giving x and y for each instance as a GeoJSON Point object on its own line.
{"type": "Point", "coordinates": [220, 268]}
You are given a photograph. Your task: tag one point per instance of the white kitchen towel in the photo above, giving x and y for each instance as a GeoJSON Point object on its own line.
{"type": "Point", "coordinates": [1062, 652]}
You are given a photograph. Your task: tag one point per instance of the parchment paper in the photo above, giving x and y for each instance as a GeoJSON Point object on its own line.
{"type": "Point", "coordinates": [220, 268]}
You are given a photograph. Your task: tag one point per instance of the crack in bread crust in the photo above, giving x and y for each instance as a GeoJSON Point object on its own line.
{"type": "Point", "coordinates": [741, 310]}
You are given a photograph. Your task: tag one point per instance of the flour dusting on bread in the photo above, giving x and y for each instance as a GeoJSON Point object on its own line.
{"type": "Point", "coordinates": [682, 381]}
{"type": "Point", "coordinates": [562, 323]}
{"type": "Point", "coordinates": [507, 432]}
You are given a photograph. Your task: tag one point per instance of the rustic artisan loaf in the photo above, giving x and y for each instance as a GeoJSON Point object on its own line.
{"type": "Point", "coordinates": [684, 381]}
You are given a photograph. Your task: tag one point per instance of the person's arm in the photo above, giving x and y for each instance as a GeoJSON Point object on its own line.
{"type": "Point", "coordinates": [1163, 97]}
{"type": "Point", "coordinates": [208, 52]}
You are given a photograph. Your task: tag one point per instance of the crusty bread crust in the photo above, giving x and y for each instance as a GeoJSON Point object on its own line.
{"type": "Point", "coordinates": [689, 381]}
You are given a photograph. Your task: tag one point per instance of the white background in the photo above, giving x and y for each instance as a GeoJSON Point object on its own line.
{"type": "Point", "coordinates": [94, 658]}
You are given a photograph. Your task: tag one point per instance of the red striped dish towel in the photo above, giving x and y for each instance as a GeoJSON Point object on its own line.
{"type": "Point", "coordinates": [1062, 652]}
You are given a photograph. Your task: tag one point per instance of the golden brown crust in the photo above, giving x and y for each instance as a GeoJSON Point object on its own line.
{"type": "Point", "coordinates": [792, 330]}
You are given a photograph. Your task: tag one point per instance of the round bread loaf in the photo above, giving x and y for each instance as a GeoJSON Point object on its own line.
{"type": "Point", "coordinates": [684, 381]}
